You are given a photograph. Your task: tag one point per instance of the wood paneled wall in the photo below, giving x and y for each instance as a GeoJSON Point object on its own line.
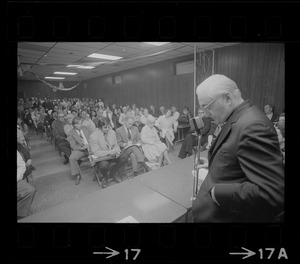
{"type": "Point", "coordinates": [257, 68]}
{"type": "Point", "coordinates": [154, 84]}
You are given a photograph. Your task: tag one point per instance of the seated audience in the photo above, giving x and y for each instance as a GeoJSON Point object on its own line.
{"type": "Point", "coordinates": [68, 126]}
{"type": "Point", "coordinates": [93, 115]}
{"type": "Point", "coordinates": [123, 116]}
{"type": "Point", "coordinates": [40, 121]}
{"type": "Point", "coordinates": [175, 115]}
{"type": "Point", "coordinates": [115, 118]}
{"type": "Point", "coordinates": [34, 117]}
{"type": "Point", "coordinates": [27, 119]}
{"type": "Point", "coordinates": [185, 117]}
{"type": "Point", "coordinates": [25, 192]}
{"type": "Point", "coordinates": [153, 148]}
{"type": "Point", "coordinates": [145, 116]}
{"type": "Point", "coordinates": [184, 120]}
{"type": "Point", "coordinates": [162, 110]}
{"type": "Point", "coordinates": [137, 119]}
{"type": "Point", "coordinates": [103, 143]}
{"type": "Point", "coordinates": [109, 116]}
{"type": "Point", "coordinates": [280, 129]}
{"type": "Point", "coordinates": [87, 122]}
{"type": "Point", "coordinates": [165, 125]}
{"type": "Point", "coordinates": [78, 138]}
{"type": "Point", "coordinates": [60, 137]}
{"type": "Point", "coordinates": [153, 111]}
{"type": "Point", "coordinates": [27, 159]}
{"type": "Point", "coordinates": [22, 132]}
{"type": "Point", "coordinates": [268, 109]}
{"type": "Point", "coordinates": [100, 115]}
{"type": "Point", "coordinates": [191, 139]}
{"type": "Point", "coordinates": [126, 136]}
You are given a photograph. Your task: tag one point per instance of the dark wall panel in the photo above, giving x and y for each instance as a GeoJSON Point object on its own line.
{"type": "Point", "coordinates": [258, 70]}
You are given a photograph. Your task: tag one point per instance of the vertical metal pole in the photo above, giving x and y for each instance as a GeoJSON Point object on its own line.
{"type": "Point", "coordinates": [195, 79]}
{"type": "Point", "coordinates": [213, 63]}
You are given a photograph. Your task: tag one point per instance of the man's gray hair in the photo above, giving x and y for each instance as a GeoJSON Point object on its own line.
{"type": "Point", "coordinates": [217, 84]}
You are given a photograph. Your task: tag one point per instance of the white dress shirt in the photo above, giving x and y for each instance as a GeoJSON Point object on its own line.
{"type": "Point", "coordinates": [21, 167]}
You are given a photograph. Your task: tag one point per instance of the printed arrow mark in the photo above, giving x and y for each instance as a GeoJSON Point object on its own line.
{"type": "Point", "coordinates": [248, 254]}
{"type": "Point", "coordinates": [112, 252]}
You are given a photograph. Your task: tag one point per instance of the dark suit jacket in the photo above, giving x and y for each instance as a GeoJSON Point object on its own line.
{"type": "Point", "coordinates": [274, 118]}
{"type": "Point", "coordinates": [246, 169]}
{"type": "Point", "coordinates": [122, 138]}
{"type": "Point", "coordinates": [75, 140]}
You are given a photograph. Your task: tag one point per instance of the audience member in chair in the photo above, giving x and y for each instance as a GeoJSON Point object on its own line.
{"type": "Point", "coordinates": [269, 111]}
{"type": "Point", "coordinates": [280, 129]}
{"type": "Point", "coordinates": [24, 129]}
{"type": "Point", "coordinates": [103, 143]}
{"type": "Point", "coordinates": [126, 136]}
{"type": "Point", "coordinates": [60, 137]}
{"type": "Point", "coordinates": [145, 116]}
{"type": "Point", "coordinates": [165, 125]}
{"type": "Point", "coordinates": [153, 111]}
{"type": "Point", "coordinates": [175, 115]}
{"type": "Point", "coordinates": [87, 122]}
{"type": "Point", "coordinates": [68, 126]}
{"type": "Point", "coordinates": [191, 139]}
{"type": "Point", "coordinates": [184, 120]}
{"type": "Point", "coordinates": [153, 148]}
{"type": "Point", "coordinates": [25, 192]}
{"type": "Point", "coordinates": [185, 117]}
{"type": "Point", "coordinates": [78, 138]}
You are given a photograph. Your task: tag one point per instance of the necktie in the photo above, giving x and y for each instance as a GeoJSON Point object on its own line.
{"type": "Point", "coordinates": [81, 137]}
{"type": "Point", "coordinates": [128, 134]}
{"type": "Point", "coordinates": [107, 143]}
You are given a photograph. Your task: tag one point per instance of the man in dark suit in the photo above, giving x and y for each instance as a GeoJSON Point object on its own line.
{"type": "Point", "coordinates": [126, 136]}
{"type": "Point", "coordinates": [78, 138]}
{"type": "Point", "coordinates": [269, 111]}
{"type": "Point", "coordinates": [60, 136]}
{"type": "Point", "coordinates": [245, 180]}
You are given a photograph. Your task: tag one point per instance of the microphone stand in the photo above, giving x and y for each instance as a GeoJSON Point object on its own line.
{"type": "Point", "coordinates": [196, 170]}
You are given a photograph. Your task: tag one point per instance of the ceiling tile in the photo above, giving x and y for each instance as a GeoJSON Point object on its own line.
{"type": "Point", "coordinates": [46, 44]}
{"type": "Point", "coordinates": [35, 47]}
{"type": "Point", "coordinates": [69, 47]}
{"type": "Point", "coordinates": [26, 51]}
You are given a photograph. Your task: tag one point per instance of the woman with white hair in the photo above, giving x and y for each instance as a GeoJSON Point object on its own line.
{"type": "Point", "coordinates": [153, 148]}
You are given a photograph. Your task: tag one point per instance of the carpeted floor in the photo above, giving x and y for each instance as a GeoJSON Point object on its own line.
{"type": "Point", "coordinates": [52, 179]}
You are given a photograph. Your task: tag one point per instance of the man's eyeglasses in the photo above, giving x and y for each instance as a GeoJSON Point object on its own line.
{"type": "Point", "coordinates": [205, 108]}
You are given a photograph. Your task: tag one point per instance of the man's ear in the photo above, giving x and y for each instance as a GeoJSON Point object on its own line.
{"type": "Point", "coordinates": [228, 97]}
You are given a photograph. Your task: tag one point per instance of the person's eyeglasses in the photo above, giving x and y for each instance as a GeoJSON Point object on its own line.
{"type": "Point", "coordinates": [205, 108]}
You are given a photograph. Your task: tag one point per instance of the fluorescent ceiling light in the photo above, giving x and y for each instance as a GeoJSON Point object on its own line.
{"type": "Point", "coordinates": [157, 43]}
{"type": "Point", "coordinates": [104, 56]}
{"type": "Point", "coordinates": [85, 67]}
{"type": "Point", "coordinates": [56, 78]}
{"type": "Point", "coordinates": [66, 73]}
{"type": "Point", "coordinates": [73, 66]}
{"type": "Point", "coordinates": [81, 66]}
